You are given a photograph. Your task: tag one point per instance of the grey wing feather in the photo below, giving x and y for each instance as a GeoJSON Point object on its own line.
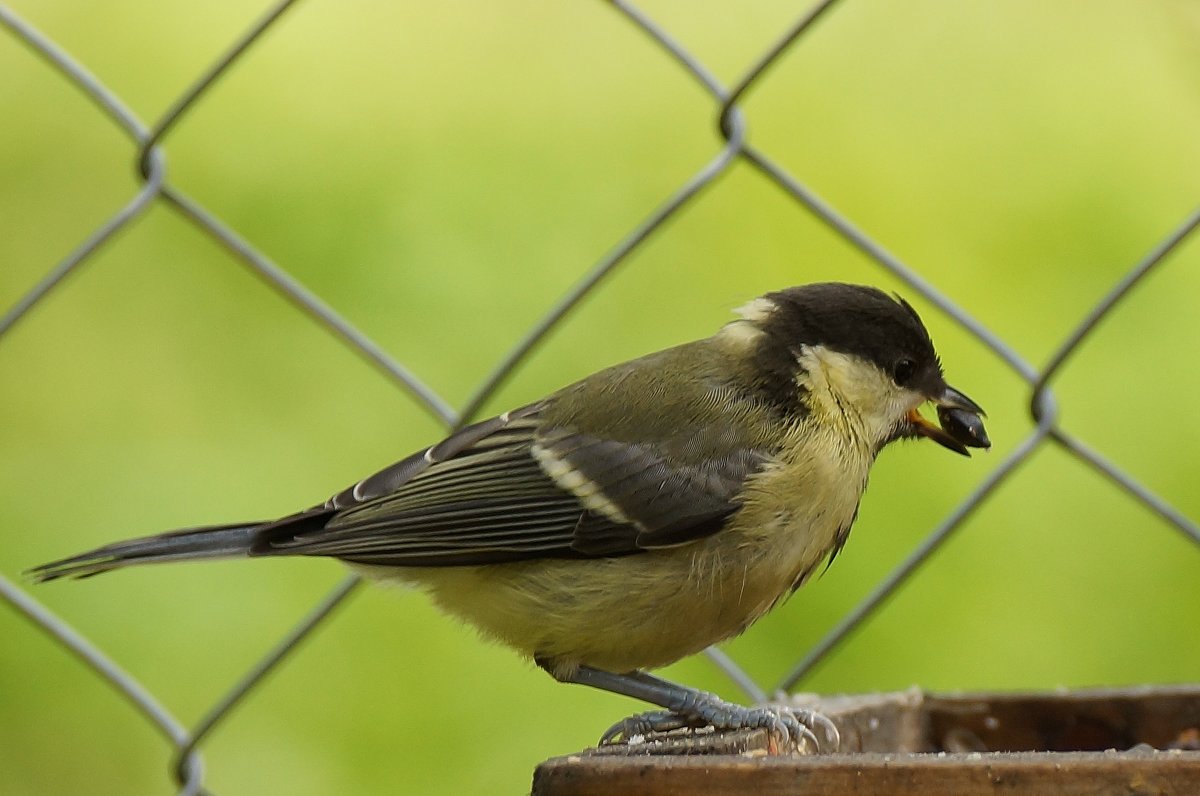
{"type": "Point", "coordinates": [482, 496]}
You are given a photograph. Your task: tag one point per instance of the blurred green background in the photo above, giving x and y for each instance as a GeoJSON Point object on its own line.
{"type": "Point", "coordinates": [440, 173]}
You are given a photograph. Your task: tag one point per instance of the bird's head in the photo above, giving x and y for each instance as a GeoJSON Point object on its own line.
{"type": "Point", "coordinates": [859, 359]}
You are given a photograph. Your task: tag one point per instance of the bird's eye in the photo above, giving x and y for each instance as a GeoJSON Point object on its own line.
{"type": "Point", "coordinates": [903, 371]}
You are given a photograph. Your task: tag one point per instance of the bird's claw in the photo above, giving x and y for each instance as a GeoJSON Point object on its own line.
{"type": "Point", "coordinates": [790, 727]}
{"type": "Point", "coordinates": [646, 723]}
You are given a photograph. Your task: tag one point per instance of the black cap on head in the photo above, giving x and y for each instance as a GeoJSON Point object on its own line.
{"type": "Point", "coordinates": [852, 319]}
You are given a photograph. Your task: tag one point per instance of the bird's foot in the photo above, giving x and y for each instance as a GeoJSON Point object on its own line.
{"type": "Point", "coordinates": [790, 727]}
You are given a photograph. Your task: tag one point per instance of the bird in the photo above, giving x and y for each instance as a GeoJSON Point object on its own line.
{"type": "Point", "coordinates": [643, 513]}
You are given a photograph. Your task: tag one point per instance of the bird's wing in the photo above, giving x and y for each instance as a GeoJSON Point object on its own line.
{"type": "Point", "coordinates": [518, 487]}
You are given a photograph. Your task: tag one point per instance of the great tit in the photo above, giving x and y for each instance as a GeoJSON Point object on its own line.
{"type": "Point", "coordinates": [644, 513]}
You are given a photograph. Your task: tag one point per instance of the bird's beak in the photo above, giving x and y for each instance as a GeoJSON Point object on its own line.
{"type": "Point", "coordinates": [961, 422]}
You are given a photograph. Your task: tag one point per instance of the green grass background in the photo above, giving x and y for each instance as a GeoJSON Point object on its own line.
{"type": "Point", "coordinates": [440, 174]}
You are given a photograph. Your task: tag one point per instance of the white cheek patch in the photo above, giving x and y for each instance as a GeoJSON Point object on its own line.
{"type": "Point", "coordinates": [844, 386]}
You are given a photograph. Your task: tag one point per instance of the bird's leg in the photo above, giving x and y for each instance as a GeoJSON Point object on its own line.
{"type": "Point", "coordinates": [687, 707]}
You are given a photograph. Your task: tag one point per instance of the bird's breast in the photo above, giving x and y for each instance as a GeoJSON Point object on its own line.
{"type": "Point", "coordinates": [794, 516]}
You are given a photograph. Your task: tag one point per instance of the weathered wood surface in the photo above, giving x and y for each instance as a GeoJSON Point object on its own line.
{"type": "Point", "coordinates": [1126, 741]}
{"type": "Point", "coordinates": [966, 774]}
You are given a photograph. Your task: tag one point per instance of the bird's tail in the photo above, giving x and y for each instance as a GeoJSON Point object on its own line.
{"type": "Point", "coordinates": [213, 541]}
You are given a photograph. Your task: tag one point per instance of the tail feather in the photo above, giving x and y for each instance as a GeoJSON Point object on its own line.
{"type": "Point", "coordinates": [214, 541]}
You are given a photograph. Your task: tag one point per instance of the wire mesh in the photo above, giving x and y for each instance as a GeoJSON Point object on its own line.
{"type": "Point", "coordinates": [155, 190]}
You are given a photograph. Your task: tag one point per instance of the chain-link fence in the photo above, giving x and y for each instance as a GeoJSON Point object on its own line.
{"type": "Point", "coordinates": [727, 103]}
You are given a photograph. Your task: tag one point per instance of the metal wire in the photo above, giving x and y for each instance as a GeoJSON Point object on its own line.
{"type": "Point", "coordinates": [150, 161]}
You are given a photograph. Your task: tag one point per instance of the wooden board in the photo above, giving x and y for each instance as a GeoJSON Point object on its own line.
{"type": "Point", "coordinates": [1120, 741]}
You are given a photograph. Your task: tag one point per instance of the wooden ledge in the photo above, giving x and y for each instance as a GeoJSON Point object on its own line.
{"type": "Point", "coordinates": [1128, 741]}
{"type": "Point", "coordinates": [963, 774]}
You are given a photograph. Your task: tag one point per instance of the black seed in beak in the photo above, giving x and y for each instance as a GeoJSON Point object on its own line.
{"type": "Point", "coordinates": [964, 426]}
{"type": "Point", "coordinates": [960, 419]}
